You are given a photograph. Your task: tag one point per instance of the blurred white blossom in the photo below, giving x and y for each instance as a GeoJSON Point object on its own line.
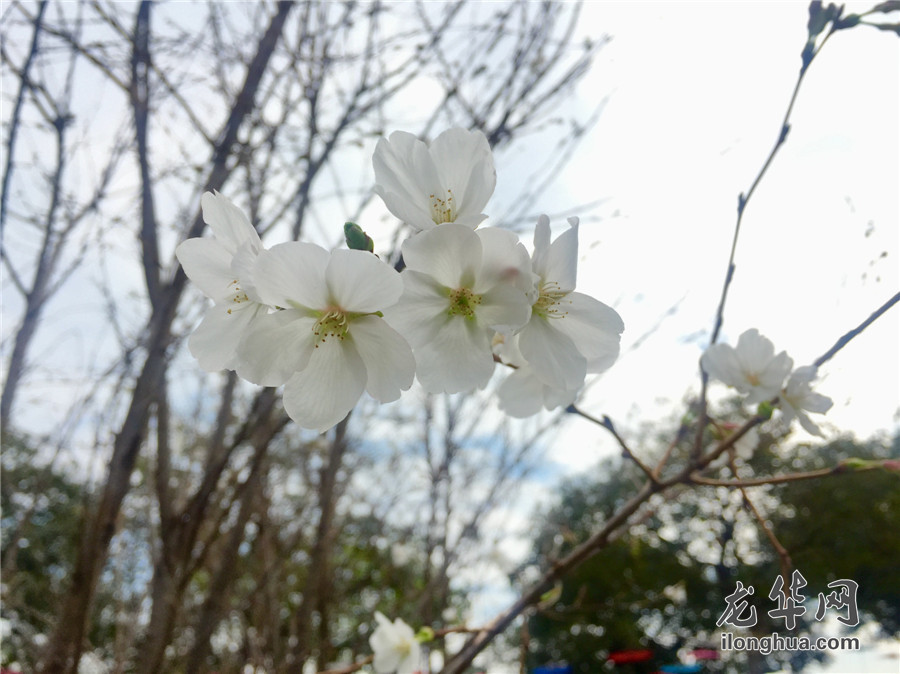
{"type": "Point", "coordinates": [752, 367]}
{"type": "Point", "coordinates": [395, 646]}
{"type": "Point", "coordinates": [798, 398]}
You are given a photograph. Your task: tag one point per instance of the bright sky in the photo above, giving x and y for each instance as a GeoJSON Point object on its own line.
{"type": "Point", "coordinates": [697, 92]}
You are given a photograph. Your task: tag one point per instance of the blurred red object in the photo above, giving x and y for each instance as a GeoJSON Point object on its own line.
{"type": "Point", "coordinates": [705, 654]}
{"type": "Point", "coordinates": [622, 657]}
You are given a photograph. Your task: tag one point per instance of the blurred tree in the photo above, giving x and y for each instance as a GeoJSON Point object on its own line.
{"type": "Point", "coordinates": [278, 105]}
{"type": "Point", "coordinates": [661, 586]}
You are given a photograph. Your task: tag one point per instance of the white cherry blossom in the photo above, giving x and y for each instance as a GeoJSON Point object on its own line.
{"type": "Point", "coordinates": [569, 334]}
{"type": "Point", "coordinates": [450, 181]}
{"type": "Point", "coordinates": [752, 367]}
{"type": "Point", "coordinates": [798, 398]}
{"type": "Point", "coordinates": [329, 344]}
{"type": "Point", "coordinates": [460, 286]}
{"type": "Point", "coordinates": [222, 268]}
{"type": "Point", "coordinates": [395, 646]}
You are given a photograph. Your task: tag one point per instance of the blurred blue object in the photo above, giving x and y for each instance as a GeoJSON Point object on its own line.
{"type": "Point", "coordinates": [554, 669]}
{"type": "Point", "coordinates": [681, 669]}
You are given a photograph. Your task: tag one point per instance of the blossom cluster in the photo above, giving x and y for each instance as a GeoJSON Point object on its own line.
{"type": "Point", "coordinates": [754, 369]}
{"type": "Point", "coordinates": [330, 325]}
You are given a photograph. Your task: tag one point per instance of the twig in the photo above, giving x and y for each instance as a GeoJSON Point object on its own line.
{"type": "Point", "coordinates": [743, 198]}
{"type": "Point", "coordinates": [784, 556]}
{"type": "Point", "coordinates": [780, 479]}
{"type": "Point", "coordinates": [607, 423]}
{"type": "Point", "coordinates": [843, 341]}
{"type": "Point", "coordinates": [24, 86]}
{"type": "Point", "coordinates": [355, 667]}
{"type": "Point", "coordinates": [679, 436]}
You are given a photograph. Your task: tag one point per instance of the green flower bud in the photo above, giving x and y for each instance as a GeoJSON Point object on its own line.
{"type": "Point", "coordinates": [424, 635]}
{"type": "Point", "coordinates": [357, 239]}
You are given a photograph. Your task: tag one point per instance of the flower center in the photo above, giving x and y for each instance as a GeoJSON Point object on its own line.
{"type": "Point", "coordinates": [753, 378]}
{"type": "Point", "coordinates": [549, 302]}
{"type": "Point", "coordinates": [443, 210]}
{"type": "Point", "coordinates": [463, 302]}
{"type": "Point", "coordinates": [333, 322]}
{"type": "Point", "coordinates": [237, 295]}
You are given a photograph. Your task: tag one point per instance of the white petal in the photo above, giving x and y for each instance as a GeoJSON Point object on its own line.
{"type": "Point", "coordinates": [469, 220]}
{"type": "Point", "coordinates": [552, 355]}
{"type": "Point", "coordinates": [521, 394]}
{"type": "Point", "coordinates": [292, 275]}
{"type": "Point", "coordinates": [562, 260]}
{"type": "Point", "coordinates": [754, 352]}
{"type": "Point", "coordinates": [412, 213]}
{"type": "Point", "coordinates": [816, 402]}
{"type": "Point", "coordinates": [507, 348]}
{"type": "Point", "coordinates": [215, 341]}
{"type": "Point", "coordinates": [243, 265]}
{"type": "Point", "coordinates": [324, 392]}
{"type": "Point", "coordinates": [557, 397]}
{"type": "Point", "coordinates": [504, 260]}
{"type": "Point", "coordinates": [504, 308]}
{"type": "Point", "coordinates": [404, 167]}
{"type": "Point", "coordinates": [770, 379]}
{"type": "Point", "coordinates": [466, 167]}
{"type": "Point", "coordinates": [422, 309]}
{"type": "Point", "coordinates": [450, 254]}
{"type": "Point", "coordinates": [410, 663]}
{"type": "Point", "coordinates": [595, 329]}
{"type": "Point", "coordinates": [278, 345]}
{"type": "Point", "coordinates": [541, 245]}
{"type": "Point", "coordinates": [228, 222]}
{"type": "Point", "coordinates": [208, 264]}
{"type": "Point", "coordinates": [720, 362]}
{"type": "Point", "coordinates": [806, 374]}
{"type": "Point", "coordinates": [359, 281]}
{"type": "Point", "coordinates": [458, 358]}
{"type": "Point", "coordinates": [809, 425]}
{"type": "Point", "coordinates": [390, 365]}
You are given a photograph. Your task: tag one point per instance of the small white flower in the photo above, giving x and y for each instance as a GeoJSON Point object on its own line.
{"type": "Point", "coordinates": [569, 334]}
{"type": "Point", "coordinates": [222, 268]}
{"type": "Point", "coordinates": [745, 446]}
{"type": "Point", "coordinates": [751, 368]}
{"type": "Point", "coordinates": [460, 286]}
{"type": "Point", "coordinates": [451, 181]}
{"type": "Point", "coordinates": [395, 646]}
{"type": "Point", "coordinates": [328, 344]}
{"type": "Point", "coordinates": [798, 398]}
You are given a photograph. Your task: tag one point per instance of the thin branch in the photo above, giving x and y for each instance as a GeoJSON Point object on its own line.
{"type": "Point", "coordinates": [840, 469]}
{"type": "Point", "coordinates": [843, 341]}
{"type": "Point", "coordinates": [139, 93]}
{"type": "Point", "coordinates": [355, 667]}
{"type": "Point", "coordinates": [24, 86]}
{"type": "Point", "coordinates": [784, 556]}
{"type": "Point", "coordinates": [744, 198]}
{"type": "Point", "coordinates": [607, 423]}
